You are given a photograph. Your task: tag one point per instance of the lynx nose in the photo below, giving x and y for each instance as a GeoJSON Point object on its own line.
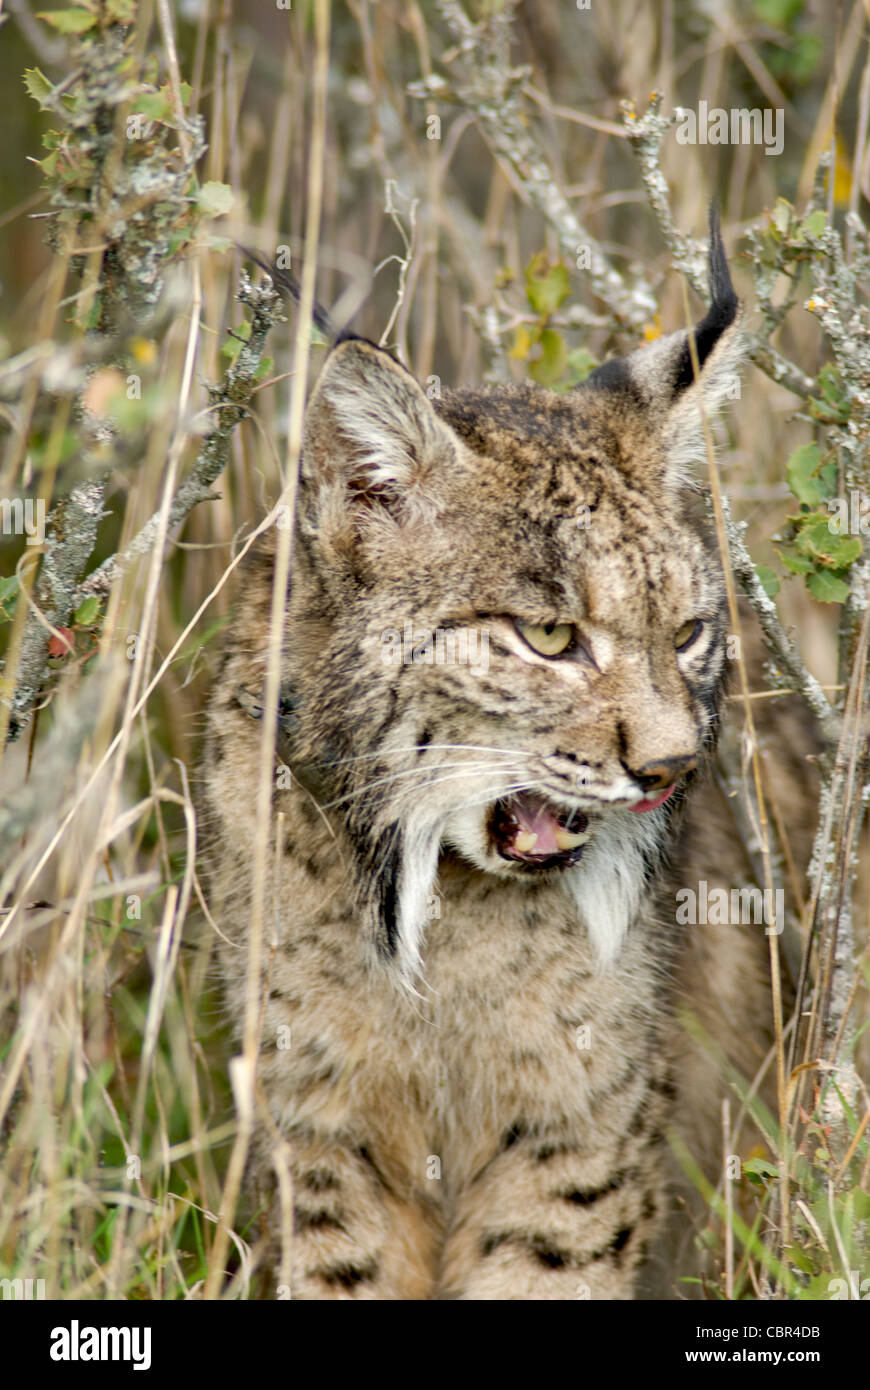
{"type": "Point", "coordinates": [654, 777]}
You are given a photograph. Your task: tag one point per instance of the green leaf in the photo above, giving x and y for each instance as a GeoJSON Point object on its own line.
{"type": "Point", "coordinates": [803, 474]}
{"type": "Point", "coordinates": [38, 87]}
{"type": "Point", "coordinates": [800, 60]}
{"type": "Point", "coordinates": [155, 106]}
{"type": "Point", "coordinates": [549, 358]}
{"type": "Point", "coordinates": [861, 1204]}
{"type": "Point", "coordinates": [827, 546]}
{"type": "Point", "coordinates": [265, 367]}
{"type": "Point", "coordinates": [803, 519]}
{"type": "Point", "coordinates": [8, 597]}
{"type": "Point", "coordinates": [87, 611]}
{"type": "Point", "coordinates": [845, 551]}
{"type": "Point", "coordinates": [834, 407]}
{"type": "Point", "coordinates": [68, 21]}
{"type": "Point", "coordinates": [232, 347]}
{"type": "Point", "coordinates": [546, 285]}
{"type": "Point", "coordinates": [158, 106]}
{"type": "Point", "coordinates": [819, 1290]}
{"type": "Point", "coordinates": [215, 198]}
{"type": "Point", "coordinates": [831, 386]}
{"type": "Point", "coordinates": [780, 13]}
{"type": "Point", "coordinates": [828, 476]}
{"type": "Point", "coordinates": [781, 215]}
{"type": "Point", "coordinates": [799, 1258]}
{"type": "Point", "coordinates": [815, 224]}
{"type": "Point", "coordinates": [178, 239]}
{"type": "Point", "coordinates": [827, 587]}
{"type": "Point", "coordinates": [824, 413]}
{"type": "Point", "coordinates": [760, 1168]}
{"type": "Point", "coordinates": [793, 560]}
{"type": "Point", "coordinates": [122, 11]}
{"type": "Point", "coordinates": [768, 579]}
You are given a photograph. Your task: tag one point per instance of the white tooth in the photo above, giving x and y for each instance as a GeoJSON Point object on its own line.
{"type": "Point", "coordinates": [525, 842]}
{"type": "Point", "coordinates": [565, 840]}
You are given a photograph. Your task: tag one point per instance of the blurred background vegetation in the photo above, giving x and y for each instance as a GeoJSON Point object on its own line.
{"type": "Point", "coordinates": [428, 238]}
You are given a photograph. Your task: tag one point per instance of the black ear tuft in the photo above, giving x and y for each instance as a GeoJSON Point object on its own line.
{"type": "Point", "coordinates": [287, 282]}
{"type": "Point", "coordinates": [665, 366]}
{"type": "Point", "coordinates": [721, 288]}
{"type": "Point", "coordinates": [720, 315]}
{"type": "Point", "coordinates": [659, 378]}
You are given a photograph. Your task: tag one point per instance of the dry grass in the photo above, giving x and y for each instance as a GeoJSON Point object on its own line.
{"type": "Point", "coordinates": [124, 1139]}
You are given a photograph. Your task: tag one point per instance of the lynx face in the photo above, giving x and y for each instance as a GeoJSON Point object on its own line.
{"type": "Point", "coordinates": [554, 533]}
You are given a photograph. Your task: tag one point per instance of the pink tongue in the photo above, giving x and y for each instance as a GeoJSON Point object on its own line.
{"type": "Point", "coordinates": [540, 821]}
{"type": "Point", "coordinates": [652, 804]}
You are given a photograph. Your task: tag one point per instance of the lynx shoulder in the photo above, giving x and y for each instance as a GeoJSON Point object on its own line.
{"type": "Point", "coordinates": [503, 667]}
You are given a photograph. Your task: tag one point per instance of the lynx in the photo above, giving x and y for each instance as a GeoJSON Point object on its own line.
{"type": "Point", "coordinates": [478, 964]}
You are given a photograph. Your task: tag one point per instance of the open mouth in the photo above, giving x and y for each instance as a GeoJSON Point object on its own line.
{"type": "Point", "coordinates": [528, 830]}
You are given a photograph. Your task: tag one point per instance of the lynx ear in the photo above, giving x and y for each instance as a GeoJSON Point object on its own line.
{"type": "Point", "coordinates": [662, 375]}
{"type": "Point", "coordinates": [373, 439]}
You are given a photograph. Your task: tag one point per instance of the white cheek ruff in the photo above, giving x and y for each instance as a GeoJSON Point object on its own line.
{"type": "Point", "coordinates": [608, 885]}
{"type": "Point", "coordinates": [464, 831]}
{"type": "Point", "coordinates": [418, 873]}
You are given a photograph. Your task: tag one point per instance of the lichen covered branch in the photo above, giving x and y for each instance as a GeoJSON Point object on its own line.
{"type": "Point", "coordinates": [488, 87]}
{"type": "Point", "coordinates": [229, 403]}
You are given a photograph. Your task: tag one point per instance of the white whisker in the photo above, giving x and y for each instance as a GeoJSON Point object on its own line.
{"type": "Point", "coordinates": [495, 794]}
{"type": "Point", "coordinates": [421, 772]}
{"type": "Point", "coordinates": [411, 792]}
{"type": "Point", "coordinates": [433, 747]}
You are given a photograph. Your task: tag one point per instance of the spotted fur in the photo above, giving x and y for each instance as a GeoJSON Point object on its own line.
{"type": "Point", "coordinates": [484, 1060]}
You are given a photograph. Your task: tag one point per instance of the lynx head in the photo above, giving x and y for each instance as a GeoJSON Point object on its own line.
{"type": "Point", "coordinates": [507, 620]}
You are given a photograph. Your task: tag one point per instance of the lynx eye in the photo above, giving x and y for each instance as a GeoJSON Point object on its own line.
{"type": "Point", "coordinates": [688, 634]}
{"type": "Point", "coordinates": [547, 639]}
